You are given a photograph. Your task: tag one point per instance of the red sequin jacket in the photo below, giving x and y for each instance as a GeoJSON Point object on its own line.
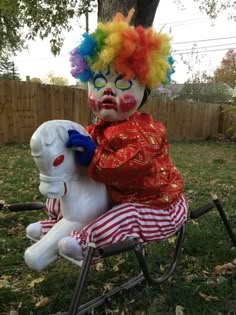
{"type": "Point", "coordinates": [132, 160]}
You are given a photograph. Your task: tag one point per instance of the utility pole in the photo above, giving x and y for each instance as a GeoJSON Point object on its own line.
{"type": "Point", "coordinates": [87, 21]}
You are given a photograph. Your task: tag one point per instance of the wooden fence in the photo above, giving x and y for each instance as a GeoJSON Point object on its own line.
{"type": "Point", "coordinates": [24, 106]}
{"type": "Point", "coordinates": [185, 120]}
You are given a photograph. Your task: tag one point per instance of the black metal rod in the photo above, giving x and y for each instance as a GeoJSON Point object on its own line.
{"type": "Point", "coordinates": [74, 305]}
{"type": "Point", "coordinates": [194, 214]}
{"type": "Point", "coordinates": [142, 261]}
{"type": "Point", "coordinates": [26, 206]}
{"type": "Point", "coordinates": [83, 309]}
{"type": "Point", "coordinates": [118, 248]}
{"type": "Point", "coordinates": [225, 220]}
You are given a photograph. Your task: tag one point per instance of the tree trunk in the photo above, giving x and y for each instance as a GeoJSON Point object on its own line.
{"type": "Point", "coordinates": [145, 10]}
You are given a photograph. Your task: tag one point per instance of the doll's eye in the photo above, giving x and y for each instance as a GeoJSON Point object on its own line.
{"type": "Point", "coordinates": [123, 84]}
{"type": "Point", "coordinates": [99, 81]}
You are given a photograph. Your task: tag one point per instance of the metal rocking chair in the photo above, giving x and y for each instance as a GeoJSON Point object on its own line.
{"type": "Point", "coordinates": [132, 244]}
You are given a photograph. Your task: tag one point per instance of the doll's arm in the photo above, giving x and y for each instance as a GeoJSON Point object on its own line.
{"type": "Point", "coordinates": [124, 166]}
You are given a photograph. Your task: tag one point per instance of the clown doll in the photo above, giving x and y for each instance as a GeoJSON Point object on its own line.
{"type": "Point", "coordinates": [128, 150]}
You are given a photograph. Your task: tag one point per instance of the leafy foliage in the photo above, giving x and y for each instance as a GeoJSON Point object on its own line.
{"type": "Point", "coordinates": [11, 35]}
{"type": "Point", "coordinates": [193, 63]}
{"type": "Point", "coordinates": [8, 69]}
{"type": "Point", "coordinates": [36, 80]}
{"type": "Point", "coordinates": [230, 112]}
{"type": "Point", "coordinates": [56, 80]}
{"type": "Point", "coordinates": [226, 72]}
{"type": "Point", "coordinates": [214, 7]}
{"type": "Point", "coordinates": [203, 88]}
{"type": "Point", "coordinates": [205, 92]}
{"type": "Point", "coordinates": [22, 20]}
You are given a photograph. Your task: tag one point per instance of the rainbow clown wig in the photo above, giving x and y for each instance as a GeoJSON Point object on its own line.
{"type": "Point", "coordinates": [131, 51]}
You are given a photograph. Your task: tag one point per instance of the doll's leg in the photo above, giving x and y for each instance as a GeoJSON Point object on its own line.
{"type": "Point", "coordinates": [53, 209]}
{"type": "Point", "coordinates": [145, 223]}
{"type": "Point", "coordinates": [36, 230]}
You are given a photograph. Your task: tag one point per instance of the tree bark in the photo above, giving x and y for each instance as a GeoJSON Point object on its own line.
{"type": "Point", "coordinates": [145, 10]}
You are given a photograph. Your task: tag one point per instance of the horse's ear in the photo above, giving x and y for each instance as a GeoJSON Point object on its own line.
{"type": "Point", "coordinates": [62, 133]}
{"type": "Point", "coordinates": [48, 135]}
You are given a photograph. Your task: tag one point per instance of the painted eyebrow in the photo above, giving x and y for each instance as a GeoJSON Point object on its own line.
{"type": "Point", "coordinates": [108, 71]}
{"type": "Point", "coordinates": [119, 77]}
{"type": "Point", "coordinates": [98, 75]}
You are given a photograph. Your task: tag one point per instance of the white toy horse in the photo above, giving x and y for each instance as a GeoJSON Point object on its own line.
{"type": "Point", "coordinates": [82, 199]}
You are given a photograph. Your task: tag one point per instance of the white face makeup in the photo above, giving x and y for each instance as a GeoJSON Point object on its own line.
{"type": "Point", "coordinates": [112, 98]}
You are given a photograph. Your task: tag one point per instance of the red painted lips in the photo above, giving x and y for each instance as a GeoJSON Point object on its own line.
{"type": "Point", "coordinates": [107, 102]}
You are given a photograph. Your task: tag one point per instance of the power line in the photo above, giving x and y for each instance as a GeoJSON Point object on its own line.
{"type": "Point", "coordinates": [204, 47]}
{"type": "Point", "coordinates": [204, 40]}
{"type": "Point", "coordinates": [183, 22]}
{"type": "Point", "coordinates": [200, 52]}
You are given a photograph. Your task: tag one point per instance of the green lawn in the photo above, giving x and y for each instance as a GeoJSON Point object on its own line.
{"type": "Point", "coordinates": [205, 279]}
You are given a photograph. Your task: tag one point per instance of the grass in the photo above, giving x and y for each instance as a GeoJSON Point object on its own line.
{"type": "Point", "coordinates": [204, 282]}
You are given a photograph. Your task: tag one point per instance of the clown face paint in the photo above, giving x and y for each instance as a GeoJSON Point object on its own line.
{"type": "Point", "coordinates": [112, 98]}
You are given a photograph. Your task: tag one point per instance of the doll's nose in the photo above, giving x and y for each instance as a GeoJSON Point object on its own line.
{"type": "Point", "coordinates": [108, 91]}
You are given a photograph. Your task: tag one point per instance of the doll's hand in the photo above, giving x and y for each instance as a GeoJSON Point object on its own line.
{"type": "Point", "coordinates": [83, 145]}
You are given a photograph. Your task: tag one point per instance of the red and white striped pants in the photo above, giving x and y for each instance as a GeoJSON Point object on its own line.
{"type": "Point", "coordinates": [53, 209]}
{"type": "Point", "coordinates": [144, 222]}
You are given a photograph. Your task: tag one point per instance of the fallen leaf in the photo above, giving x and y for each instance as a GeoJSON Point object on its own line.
{"type": "Point", "coordinates": [179, 310]}
{"type": "Point", "coordinates": [99, 266]}
{"type": "Point", "coordinates": [42, 302]}
{"type": "Point", "coordinates": [35, 281]}
{"type": "Point", "coordinates": [205, 272]}
{"type": "Point", "coordinates": [172, 240]}
{"type": "Point", "coordinates": [226, 268]}
{"type": "Point", "coordinates": [189, 278]}
{"type": "Point", "coordinates": [208, 298]}
{"type": "Point", "coordinates": [4, 281]}
{"type": "Point", "coordinates": [116, 266]}
{"type": "Point", "coordinates": [108, 286]}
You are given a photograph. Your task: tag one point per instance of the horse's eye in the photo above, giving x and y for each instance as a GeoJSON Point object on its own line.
{"type": "Point", "coordinates": [58, 160]}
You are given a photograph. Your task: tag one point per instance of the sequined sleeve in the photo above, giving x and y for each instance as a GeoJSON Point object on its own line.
{"type": "Point", "coordinates": [127, 156]}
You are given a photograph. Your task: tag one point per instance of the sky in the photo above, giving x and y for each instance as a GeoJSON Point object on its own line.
{"type": "Point", "coordinates": [187, 27]}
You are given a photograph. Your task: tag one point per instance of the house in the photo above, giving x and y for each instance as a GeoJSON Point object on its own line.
{"type": "Point", "coordinates": [197, 92]}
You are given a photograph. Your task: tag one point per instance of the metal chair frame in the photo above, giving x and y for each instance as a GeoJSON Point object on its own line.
{"type": "Point", "coordinates": [132, 244]}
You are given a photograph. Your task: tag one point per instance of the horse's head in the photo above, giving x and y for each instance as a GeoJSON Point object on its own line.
{"type": "Point", "coordinates": [55, 162]}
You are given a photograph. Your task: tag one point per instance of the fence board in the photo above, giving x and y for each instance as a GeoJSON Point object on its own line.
{"type": "Point", "coordinates": [24, 106]}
